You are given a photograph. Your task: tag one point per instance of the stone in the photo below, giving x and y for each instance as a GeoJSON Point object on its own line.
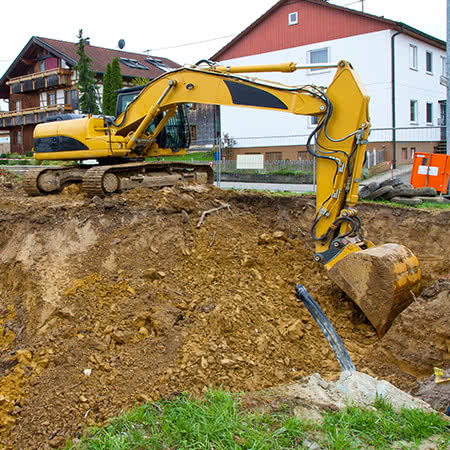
{"type": "Point", "coordinates": [427, 191]}
{"type": "Point", "coordinates": [410, 201]}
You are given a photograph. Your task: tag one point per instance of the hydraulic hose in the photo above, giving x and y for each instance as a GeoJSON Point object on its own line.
{"type": "Point", "coordinates": [328, 330]}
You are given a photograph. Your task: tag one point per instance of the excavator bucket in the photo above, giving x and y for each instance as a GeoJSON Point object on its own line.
{"type": "Point", "coordinates": [381, 280]}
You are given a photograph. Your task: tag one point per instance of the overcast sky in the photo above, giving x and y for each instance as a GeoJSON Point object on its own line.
{"type": "Point", "coordinates": [165, 27]}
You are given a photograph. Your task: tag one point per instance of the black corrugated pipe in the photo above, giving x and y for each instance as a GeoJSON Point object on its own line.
{"type": "Point", "coordinates": [327, 328]}
{"type": "Point", "coordinates": [394, 123]}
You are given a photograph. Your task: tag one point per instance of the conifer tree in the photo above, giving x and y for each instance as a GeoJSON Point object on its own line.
{"type": "Point", "coordinates": [86, 79]}
{"type": "Point", "coordinates": [107, 91]}
{"type": "Point", "coordinates": [116, 81]}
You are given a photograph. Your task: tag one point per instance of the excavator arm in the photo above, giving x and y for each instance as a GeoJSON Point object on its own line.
{"type": "Point", "coordinates": [378, 279]}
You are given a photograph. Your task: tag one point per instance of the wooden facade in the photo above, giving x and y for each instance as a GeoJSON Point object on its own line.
{"type": "Point", "coordinates": [41, 82]}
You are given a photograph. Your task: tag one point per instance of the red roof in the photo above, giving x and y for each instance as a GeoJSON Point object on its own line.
{"type": "Point", "coordinates": [319, 21]}
{"type": "Point", "coordinates": [102, 56]}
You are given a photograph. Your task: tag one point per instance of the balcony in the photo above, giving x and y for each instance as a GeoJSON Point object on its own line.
{"type": "Point", "coordinates": [31, 116]}
{"type": "Point", "coordinates": [40, 80]}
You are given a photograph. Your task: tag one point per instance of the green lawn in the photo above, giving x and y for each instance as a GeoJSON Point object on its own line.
{"type": "Point", "coordinates": [218, 422]}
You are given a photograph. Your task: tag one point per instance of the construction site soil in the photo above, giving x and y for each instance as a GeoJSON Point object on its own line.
{"type": "Point", "coordinates": [109, 303]}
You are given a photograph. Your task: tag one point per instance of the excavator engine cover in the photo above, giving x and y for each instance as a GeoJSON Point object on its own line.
{"type": "Point", "coordinates": [381, 280]}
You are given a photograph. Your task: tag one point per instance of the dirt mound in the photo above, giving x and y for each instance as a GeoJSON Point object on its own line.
{"type": "Point", "coordinates": [108, 303]}
{"type": "Point", "coordinates": [418, 341]}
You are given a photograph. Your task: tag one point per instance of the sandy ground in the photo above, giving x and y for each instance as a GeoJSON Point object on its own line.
{"type": "Point", "coordinates": [109, 303]}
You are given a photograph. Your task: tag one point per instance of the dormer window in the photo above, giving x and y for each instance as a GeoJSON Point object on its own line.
{"type": "Point", "coordinates": [133, 63]}
{"type": "Point", "coordinates": [293, 18]}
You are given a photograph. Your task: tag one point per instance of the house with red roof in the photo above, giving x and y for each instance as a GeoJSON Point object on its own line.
{"type": "Point", "coordinates": [41, 82]}
{"type": "Point", "coordinates": [401, 67]}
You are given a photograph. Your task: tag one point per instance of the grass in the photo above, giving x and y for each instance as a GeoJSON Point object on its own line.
{"type": "Point", "coordinates": [195, 156]}
{"type": "Point", "coordinates": [218, 422]}
{"type": "Point", "coordinates": [424, 205]}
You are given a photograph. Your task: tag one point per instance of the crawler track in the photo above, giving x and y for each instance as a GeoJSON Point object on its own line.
{"type": "Point", "coordinates": [30, 181]}
{"type": "Point", "coordinates": [103, 180]}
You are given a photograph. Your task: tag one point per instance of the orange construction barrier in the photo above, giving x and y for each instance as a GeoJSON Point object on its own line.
{"type": "Point", "coordinates": [431, 169]}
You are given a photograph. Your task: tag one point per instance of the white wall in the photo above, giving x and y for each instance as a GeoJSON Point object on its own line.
{"type": "Point", "coordinates": [417, 84]}
{"type": "Point", "coordinates": [370, 55]}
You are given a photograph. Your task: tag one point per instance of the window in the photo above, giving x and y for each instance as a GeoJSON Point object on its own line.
{"type": "Point", "coordinates": [18, 105]}
{"type": "Point", "coordinates": [71, 97]}
{"type": "Point", "coordinates": [42, 65]}
{"type": "Point", "coordinates": [413, 57]}
{"type": "Point", "coordinates": [193, 132]}
{"type": "Point", "coordinates": [429, 113]}
{"type": "Point", "coordinates": [443, 66]}
{"type": "Point", "coordinates": [51, 98]}
{"type": "Point", "coordinates": [404, 153]}
{"type": "Point", "coordinates": [313, 121]}
{"type": "Point", "coordinates": [293, 18]}
{"type": "Point", "coordinates": [18, 137]}
{"type": "Point", "coordinates": [429, 62]}
{"type": "Point", "coordinates": [273, 156]}
{"type": "Point", "coordinates": [158, 63]}
{"type": "Point", "coordinates": [133, 63]}
{"type": "Point", "coordinates": [413, 111]}
{"type": "Point", "coordinates": [318, 56]}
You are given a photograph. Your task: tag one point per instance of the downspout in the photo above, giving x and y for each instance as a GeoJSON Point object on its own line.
{"type": "Point", "coordinates": [394, 123]}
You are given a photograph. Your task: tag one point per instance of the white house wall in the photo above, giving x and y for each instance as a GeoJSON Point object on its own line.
{"type": "Point", "coordinates": [370, 55]}
{"type": "Point", "coordinates": [417, 85]}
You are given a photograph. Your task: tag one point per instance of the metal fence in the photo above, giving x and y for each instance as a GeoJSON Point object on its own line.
{"type": "Point", "coordinates": [305, 166]}
{"type": "Point", "coordinates": [416, 134]}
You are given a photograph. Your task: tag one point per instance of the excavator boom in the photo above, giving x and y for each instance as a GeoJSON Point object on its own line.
{"type": "Point", "coordinates": [378, 279]}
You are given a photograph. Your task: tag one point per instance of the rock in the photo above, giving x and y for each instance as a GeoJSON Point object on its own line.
{"type": "Point", "coordinates": [364, 192]}
{"type": "Point", "coordinates": [279, 235]}
{"type": "Point", "coordinates": [363, 389]}
{"type": "Point", "coordinates": [380, 192]}
{"type": "Point", "coordinates": [57, 442]}
{"type": "Point", "coordinates": [391, 182]}
{"type": "Point", "coordinates": [227, 362]}
{"type": "Point", "coordinates": [119, 337]}
{"type": "Point", "coordinates": [425, 192]}
{"type": "Point", "coordinates": [436, 199]}
{"type": "Point", "coordinates": [400, 191]}
{"type": "Point", "coordinates": [143, 398]}
{"type": "Point", "coordinates": [351, 388]}
{"type": "Point", "coordinates": [98, 202]}
{"type": "Point", "coordinates": [151, 274]}
{"type": "Point", "coordinates": [264, 238]}
{"type": "Point", "coordinates": [184, 217]}
{"type": "Point", "coordinates": [24, 356]}
{"type": "Point", "coordinates": [407, 200]}
{"type": "Point", "coordinates": [373, 186]}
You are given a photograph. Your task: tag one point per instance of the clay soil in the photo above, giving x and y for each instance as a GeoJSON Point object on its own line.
{"type": "Point", "coordinates": [109, 303]}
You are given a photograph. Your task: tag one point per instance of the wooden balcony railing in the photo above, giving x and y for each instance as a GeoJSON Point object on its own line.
{"type": "Point", "coordinates": [40, 80]}
{"type": "Point", "coordinates": [31, 116]}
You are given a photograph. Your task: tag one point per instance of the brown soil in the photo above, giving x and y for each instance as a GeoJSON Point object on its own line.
{"type": "Point", "coordinates": [109, 303]}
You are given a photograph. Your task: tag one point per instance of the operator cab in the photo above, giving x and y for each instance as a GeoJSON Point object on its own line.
{"type": "Point", "coordinates": [175, 135]}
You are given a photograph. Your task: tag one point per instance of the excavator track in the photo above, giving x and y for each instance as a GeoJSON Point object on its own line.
{"type": "Point", "coordinates": [51, 180]}
{"type": "Point", "coordinates": [108, 179]}
{"type": "Point", "coordinates": [30, 181]}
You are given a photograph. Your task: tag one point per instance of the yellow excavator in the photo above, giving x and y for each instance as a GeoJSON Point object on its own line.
{"type": "Point", "coordinates": [380, 279]}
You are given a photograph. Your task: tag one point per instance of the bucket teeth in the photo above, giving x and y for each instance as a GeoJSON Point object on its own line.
{"type": "Point", "coordinates": [380, 280]}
